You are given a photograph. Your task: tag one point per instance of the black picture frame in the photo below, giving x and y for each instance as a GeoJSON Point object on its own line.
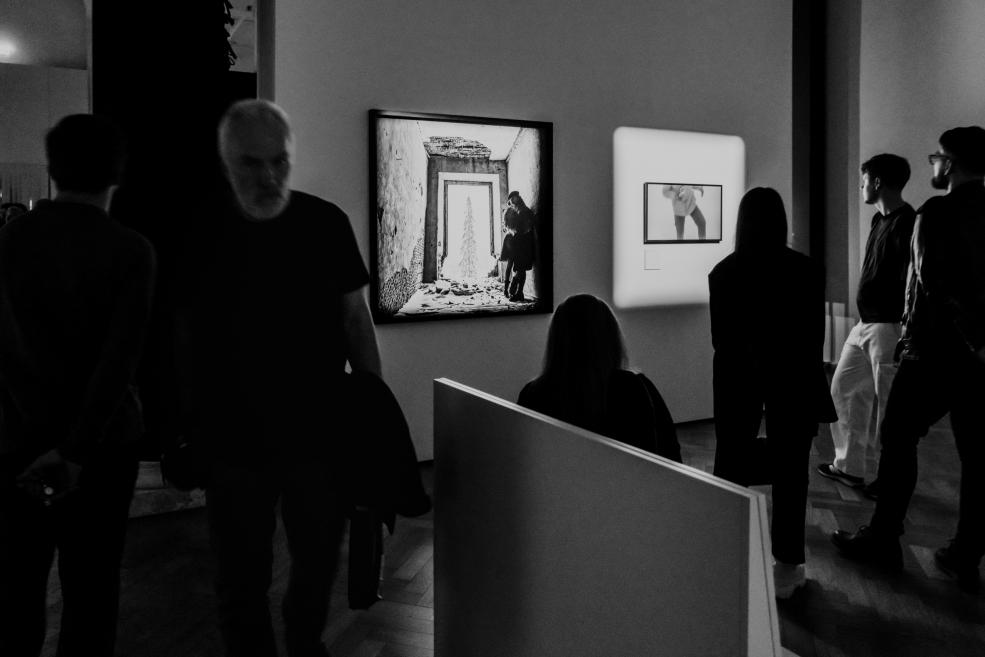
{"type": "Point", "coordinates": [685, 232]}
{"type": "Point", "coordinates": [439, 187]}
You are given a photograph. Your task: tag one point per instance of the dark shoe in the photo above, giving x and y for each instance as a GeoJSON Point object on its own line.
{"type": "Point", "coordinates": [869, 546]}
{"type": "Point", "coordinates": [965, 571]}
{"type": "Point", "coordinates": [871, 490]}
{"type": "Point", "coordinates": [831, 472]}
{"type": "Point", "coordinates": [788, 579]}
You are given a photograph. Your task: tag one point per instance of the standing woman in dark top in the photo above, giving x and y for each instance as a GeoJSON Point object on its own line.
{"type": "Point", "coordinates": [767, 327]}
{"type": "Point", "coordinates": [585, 381]}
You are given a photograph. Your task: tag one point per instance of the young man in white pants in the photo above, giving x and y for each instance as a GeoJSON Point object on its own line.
{"type": "Point", "coordinates": [866, 368]}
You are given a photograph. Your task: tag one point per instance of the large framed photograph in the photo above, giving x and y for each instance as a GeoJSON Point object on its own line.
{"type": "Point", "coordinates": [462, 216]}
{"type": "Point", "coordinates": [681, 213]}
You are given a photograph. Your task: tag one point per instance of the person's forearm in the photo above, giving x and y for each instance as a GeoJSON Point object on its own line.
{"type": "Point", "coordinates": [363, 350]}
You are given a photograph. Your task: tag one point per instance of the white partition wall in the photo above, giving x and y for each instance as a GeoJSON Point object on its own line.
{"type": "Point", "coordinates": [552, 540]}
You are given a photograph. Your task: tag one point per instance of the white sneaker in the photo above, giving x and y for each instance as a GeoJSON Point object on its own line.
{"type": "Point", "coordinates": [787, 578]}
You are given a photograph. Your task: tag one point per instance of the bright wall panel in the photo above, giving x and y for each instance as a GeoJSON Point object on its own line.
{"type": "Point", "coordinates": [670, 273]}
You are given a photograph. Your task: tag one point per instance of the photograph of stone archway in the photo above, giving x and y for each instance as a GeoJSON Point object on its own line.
{"type": "Point", "coordinates": [463, 216]}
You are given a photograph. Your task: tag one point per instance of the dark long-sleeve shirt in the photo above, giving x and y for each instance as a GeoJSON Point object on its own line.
{"type": "Point", "coordinates": [788, 364]}
{"type": "Point", "coordinates": [635, 413]}
{"type": "Point", "coordinates": [945, 294]}
{"type": "Point", "coordinates": [75, 297]}
{"type": "Point", "coordinates": [882, 286]}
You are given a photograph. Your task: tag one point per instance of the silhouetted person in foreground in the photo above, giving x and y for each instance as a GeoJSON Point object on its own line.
{"type": "Point", "coordinates": [75, 297]}
{"type": "Point", "coordinates": [273, 315]}
{"type": "Point", "coordinates": [586, 381]}
{"type": "Point", "coordinates": [942, 364]}
{"type": "Point", "coordinates": [779, 371]}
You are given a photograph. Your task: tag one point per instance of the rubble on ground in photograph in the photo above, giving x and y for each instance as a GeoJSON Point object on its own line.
{"type": "Point", "coordinates": [460, 296]}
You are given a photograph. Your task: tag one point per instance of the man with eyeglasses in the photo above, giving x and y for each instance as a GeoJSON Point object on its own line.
{"type": "Point", "coordinates": [942, 364]}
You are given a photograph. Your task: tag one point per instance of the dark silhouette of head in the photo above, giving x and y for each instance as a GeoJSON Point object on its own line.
{"type": "Point", "coordinates": [584, 346]}
{"type": "Point", "coordinates": [85, 154]}
{"type": "Point", "coordinates": [762, 221]}
{"type": "Point", "coordinates": [966, 147]}
{"type": "Point", "coordinates": [892, 170]}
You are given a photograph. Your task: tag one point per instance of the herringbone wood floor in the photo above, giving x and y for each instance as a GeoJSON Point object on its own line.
{"type": "Point", "coordinates": [845, 611]}
{"type": "Point", "coordinates": [848, 610]}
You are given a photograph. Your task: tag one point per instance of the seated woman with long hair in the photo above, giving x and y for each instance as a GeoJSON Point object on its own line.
{"type": "Point", "coordinates": [767, 328]}
{"type": "Point", "coordinates": [585, 381]}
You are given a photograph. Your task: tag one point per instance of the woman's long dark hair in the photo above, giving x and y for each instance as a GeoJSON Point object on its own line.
{"type": "Point", "coordinates": [584, 346]}
{"type": "Point", "coordinates": [762, 221]}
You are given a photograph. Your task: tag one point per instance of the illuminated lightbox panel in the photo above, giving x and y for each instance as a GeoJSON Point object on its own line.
{"type": "Point", "coordinates": [675, 200]}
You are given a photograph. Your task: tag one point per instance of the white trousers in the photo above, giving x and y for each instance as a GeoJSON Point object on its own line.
{"type": "Point", "coordinates": [862, 380]}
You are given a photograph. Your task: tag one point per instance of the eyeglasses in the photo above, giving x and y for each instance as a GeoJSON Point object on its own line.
{"type": "Point", "coordinates": [933, 158]}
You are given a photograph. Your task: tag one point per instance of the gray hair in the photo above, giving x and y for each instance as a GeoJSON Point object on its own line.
{"type": "Point", "coordinates": [253, 111]}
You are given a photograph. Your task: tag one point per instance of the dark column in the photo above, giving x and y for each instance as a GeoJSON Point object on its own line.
{"type": "Point", "coordinates": [809, 132]}
{"type": "Point", "coordinates": [162, 73]}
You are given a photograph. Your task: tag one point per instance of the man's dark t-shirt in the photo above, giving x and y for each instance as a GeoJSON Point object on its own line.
{"type": "Point", "coordinates": [882, 285]}
{"type": "Point", "coordinates": [265, 323]}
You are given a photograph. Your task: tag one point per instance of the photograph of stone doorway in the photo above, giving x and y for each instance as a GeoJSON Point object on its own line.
{"type": "Point", "coordinates": [463, 216]}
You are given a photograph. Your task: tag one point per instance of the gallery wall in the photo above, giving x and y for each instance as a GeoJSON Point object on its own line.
{"type": "Point", "coordinates": [34, 98]}
{"type": "Point", "coordinates": [703, 65]}
{"type": "Point", "coordinates": [921, 72]}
